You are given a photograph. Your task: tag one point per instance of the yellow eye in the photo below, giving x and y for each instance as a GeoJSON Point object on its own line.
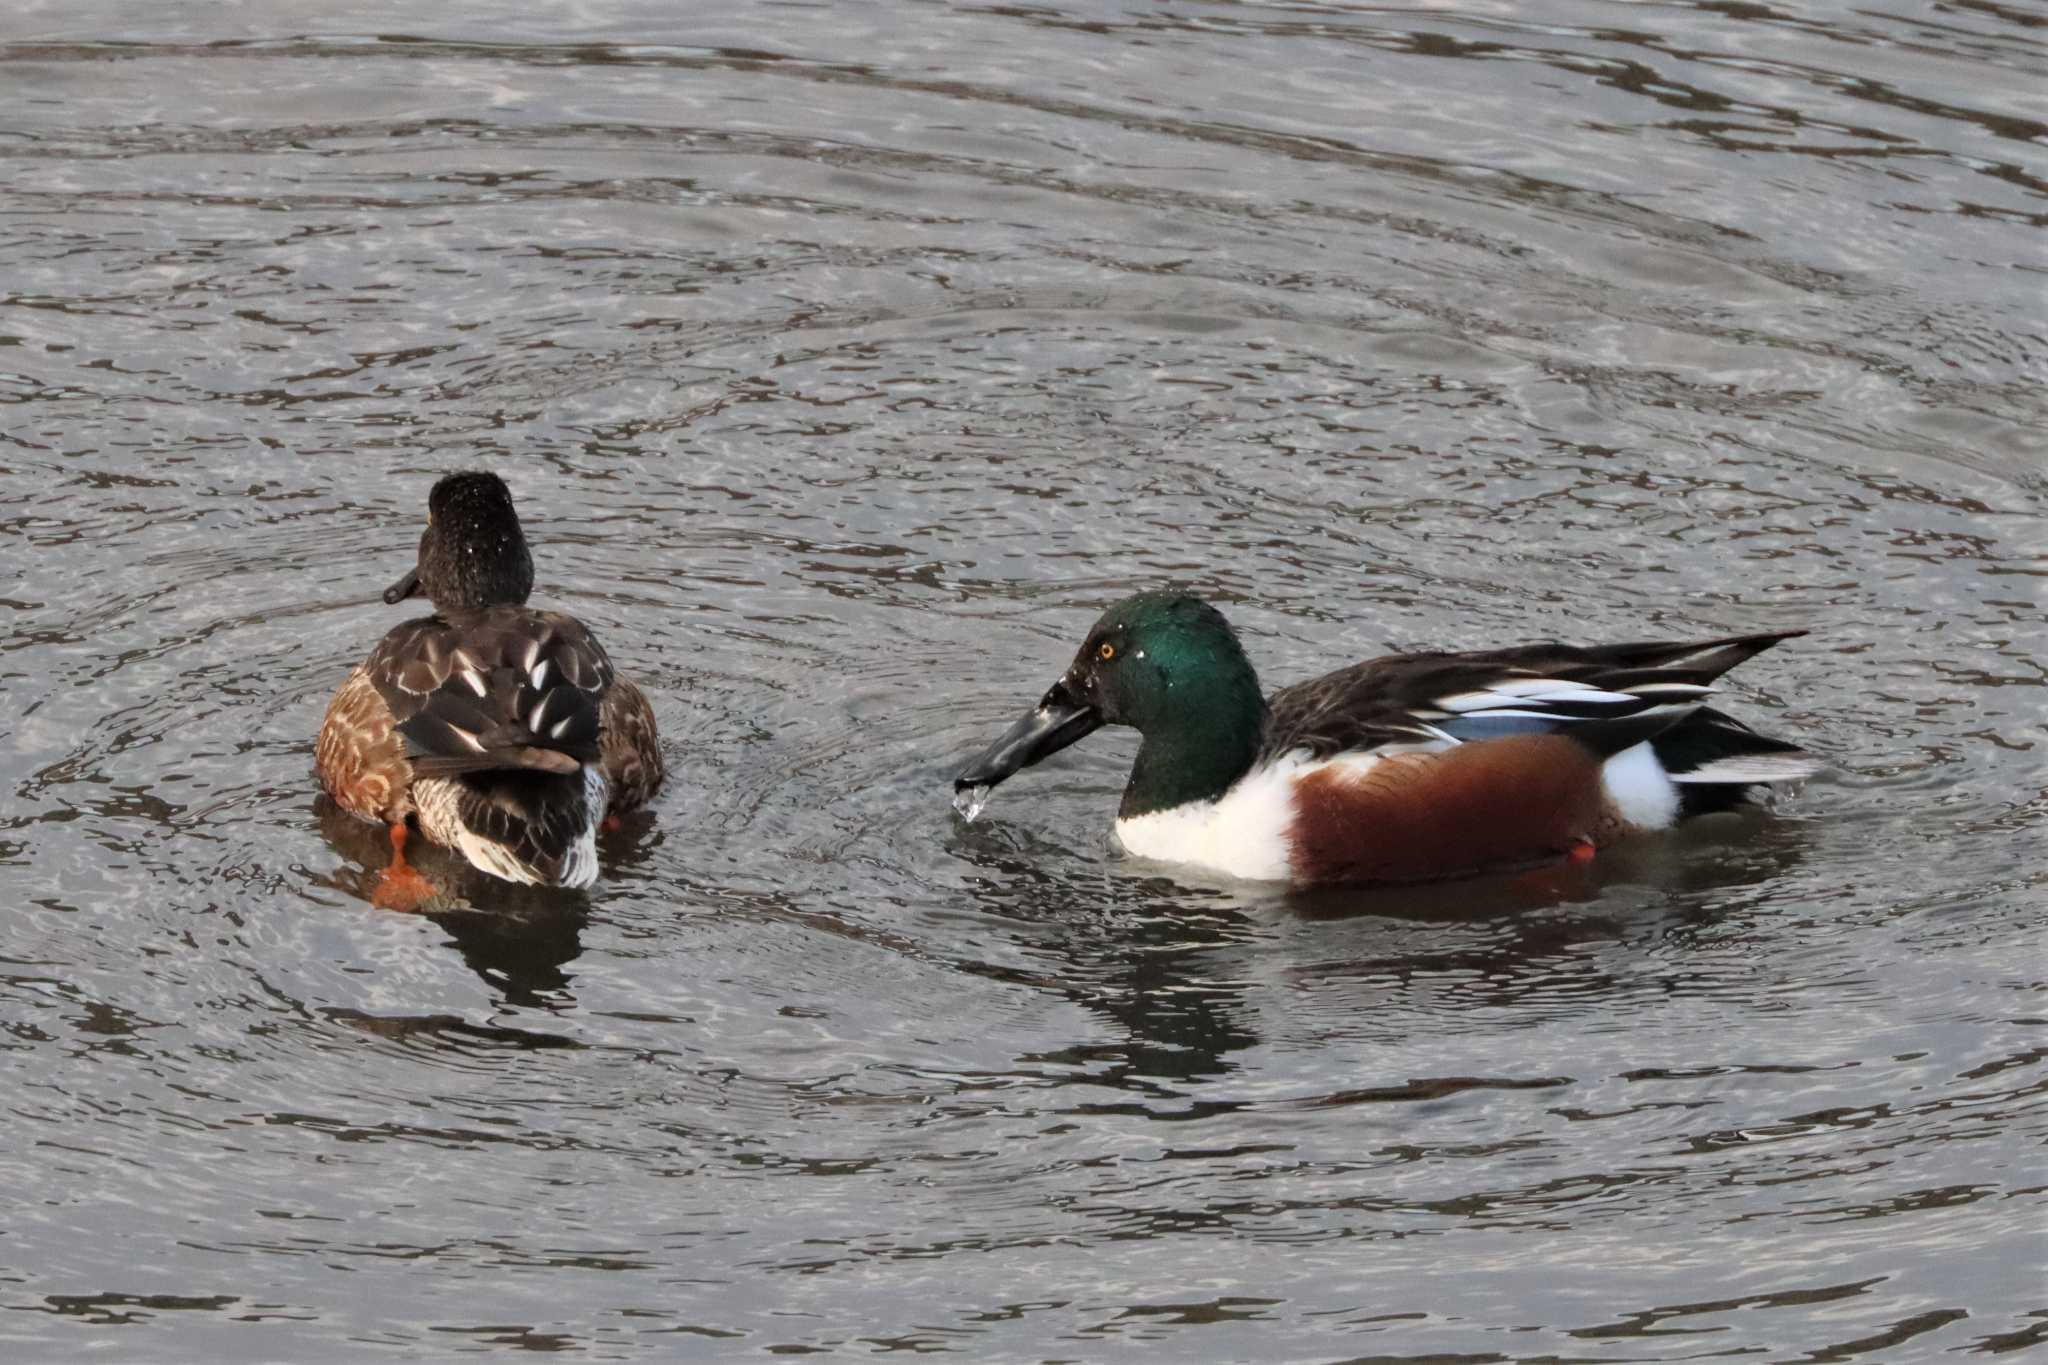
{"type": "Point", "coordinates": [1107, 652]}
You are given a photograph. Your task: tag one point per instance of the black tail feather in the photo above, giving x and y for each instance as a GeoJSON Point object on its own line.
{"type": "Point", "coordinates": [1705, 660]}
{"type": "Point", "coordinates": [538, 817]}
{"type": "Point", "coordinates": [1705, 738]}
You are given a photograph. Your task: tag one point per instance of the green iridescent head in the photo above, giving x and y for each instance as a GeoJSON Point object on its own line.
{"type": "Point", "coordinates": [1167, 664]}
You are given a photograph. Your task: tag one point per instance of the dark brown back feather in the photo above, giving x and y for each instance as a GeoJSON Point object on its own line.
{"type": "Point", "coordinates": [1375, 703]}
{"type": "Point", "coordinates": [500, 689]}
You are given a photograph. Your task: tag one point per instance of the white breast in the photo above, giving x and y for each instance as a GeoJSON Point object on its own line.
{"type": "Point", "coordinates": [1242, 833]}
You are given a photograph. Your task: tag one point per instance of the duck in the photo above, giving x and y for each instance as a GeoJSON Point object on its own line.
{"type": "Point", "coordinates": [492, 728]}
{"type": "Point", "coordinates": [1409, 768]}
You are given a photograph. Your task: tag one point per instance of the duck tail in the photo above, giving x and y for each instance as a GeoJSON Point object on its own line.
{"type": "Point", "coordinates": [534, 827]}
{"type": "Point", "coordinates": [1715, 760]}
{"type": "Point", "coordinates": [1696, 660]}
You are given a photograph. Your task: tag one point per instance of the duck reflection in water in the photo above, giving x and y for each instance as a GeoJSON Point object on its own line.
{"type": "Point", "coordinates": [1140, 953]}
{"type": "Point", "coordinates": [1182, 970]}
{"type": "Point", "coordinates": [519, 939]}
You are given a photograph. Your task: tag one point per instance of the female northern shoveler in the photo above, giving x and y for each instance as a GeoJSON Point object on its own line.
{"type": "Point", "coordinates": [503, 731]}
{"type": "Point", "coordinates": [1407, 768]}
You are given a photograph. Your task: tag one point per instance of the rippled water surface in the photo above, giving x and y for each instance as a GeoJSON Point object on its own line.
{"type": "Point", "coordinates": [845, 361]}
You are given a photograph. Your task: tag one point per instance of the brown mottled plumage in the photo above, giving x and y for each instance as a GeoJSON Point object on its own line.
{"type": "Point", "coordinates": [632, 754]}
{"type": "Point", "coordinates": [359, 758]}
{"type": "Point", "coordinates": [410, 713]}
{"type": "Point", "coordinates": [502, 731]}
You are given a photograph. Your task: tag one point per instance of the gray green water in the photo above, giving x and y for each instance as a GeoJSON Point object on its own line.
{"type": "Point", "coordinates": [845, 361]}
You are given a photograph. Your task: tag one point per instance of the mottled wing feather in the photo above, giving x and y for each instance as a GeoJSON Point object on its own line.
{"type": "Point", "coordinates": [503, 688]}
{"type": "Point", "coordinates": [1607, 696]}
{"type": "Point", "coordinates": [631, 749]}
{"type": "Point", "coordinates": [359, 757]}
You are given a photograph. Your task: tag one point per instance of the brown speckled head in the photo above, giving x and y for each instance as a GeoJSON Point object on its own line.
{"type": "Point", "coordinates": [473, 553]}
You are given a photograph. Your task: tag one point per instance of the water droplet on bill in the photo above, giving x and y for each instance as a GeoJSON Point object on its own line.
{"type": "Point", "coordinates": [970, 800]}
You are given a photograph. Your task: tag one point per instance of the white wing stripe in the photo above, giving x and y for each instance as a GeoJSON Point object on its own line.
{"type": "Point", "coordinates": [1532, 691]}
{"type": "Point", "coordinates": [1514, 698]}
{"type": "Point", "coordinates": [1753, 768]}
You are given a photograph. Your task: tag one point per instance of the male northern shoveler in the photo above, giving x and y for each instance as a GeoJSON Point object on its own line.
{"type": "Point", "coordinates": [502, 730]}
{"type": "Point", "coordinates": [1407, 768]}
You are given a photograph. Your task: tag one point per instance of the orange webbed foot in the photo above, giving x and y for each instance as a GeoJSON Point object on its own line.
{"type": "Point", "coordinates": [1561, 878]}
{"type": "Point", "coordinates": [402, 886]}
{"type": "Point", "coordinates": [611, 824]}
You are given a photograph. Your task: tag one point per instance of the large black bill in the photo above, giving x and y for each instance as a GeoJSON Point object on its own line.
{"type": "Point", "coordinates": [1058, 721]}
{"type": "Point", "coordinates": [403, 588]}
